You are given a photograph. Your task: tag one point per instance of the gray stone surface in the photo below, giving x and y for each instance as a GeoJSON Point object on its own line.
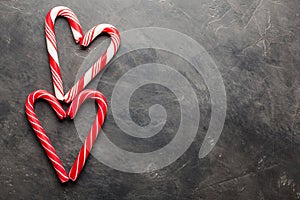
{"type": "Point", "coordinates": [256, 46]}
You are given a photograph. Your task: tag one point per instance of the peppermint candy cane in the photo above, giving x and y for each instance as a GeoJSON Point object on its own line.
{"type": "Point", "coordinates": [101, 62]}
{"type": "Point", "coordinates": [45, 141]}
{"type": "Point", "coordinates": [84, 41]}
{"type": "Point", "coordinates": [93, 133]}
{"type": "Point", "coordinates": [51, 43]}
{"type": "Point", "coordinates": [40, 132]}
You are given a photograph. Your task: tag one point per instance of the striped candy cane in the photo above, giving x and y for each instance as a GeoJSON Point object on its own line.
{"type": "Point", "coordinates": [51, 43]}
{"type": "Point", "coordinates": [101, 62]}
{"type": "Point", "coordinates": [93, 133]}
{"type": "Point", "coordinates": [84, 41]}
{"type": "Point", "coordinates": [40, 132]}
{"type": "Point", "coordinates": [45, 141]}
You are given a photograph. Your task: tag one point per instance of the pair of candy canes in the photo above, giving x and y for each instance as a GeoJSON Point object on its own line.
{"type": "Point", "coordinates": [76, 95]}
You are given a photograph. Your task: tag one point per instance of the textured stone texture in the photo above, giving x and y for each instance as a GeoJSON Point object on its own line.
{"type": "Point", "coordinates": [256, 45]}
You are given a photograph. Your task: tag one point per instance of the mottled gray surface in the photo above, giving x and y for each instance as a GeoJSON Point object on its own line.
{"type": "Point", "coordinates": [256, 46]}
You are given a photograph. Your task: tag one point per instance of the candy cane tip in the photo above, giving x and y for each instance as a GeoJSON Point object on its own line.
{"type": "Point", "coordinates": [64, 181]}
{"type": "Point", "coordinates": [71, 115]}
{"type": "Point", "coordinates": [72, 178]}
{"type": "Point", "coordinates": [67, 100]}
{"type": "Point", "coordinates": [63, 116]}
{"type": "Point", "coordinates": [81, 42]}
{"type": "Point", "coordinates": [59, 97]}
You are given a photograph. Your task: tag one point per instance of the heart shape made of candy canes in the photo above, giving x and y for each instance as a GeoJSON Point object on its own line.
{"type": "Point", "coordinates": [71, 112]}
{"type": "Point", "coordinates": [85, 41]}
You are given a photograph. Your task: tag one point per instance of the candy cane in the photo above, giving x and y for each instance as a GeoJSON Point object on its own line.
{"type": "Point", "coordinates": [93, 133]}
{"type": "Point", "coordinates": [101, 62]}
{"type": "Point", "coordinates": [45, 141]}
{"type": "Point", "coordinates": [40, 132]}
{"type": "Point", "coordinates": [84, 41]}
{"type": "Point", "coordinates": [51, 43]}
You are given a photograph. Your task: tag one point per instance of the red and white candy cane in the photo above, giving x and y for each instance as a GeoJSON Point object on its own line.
{"type": "Point", "coordinates": [93, 133]}
{"type": "Point", "coordinates": [84, 41]}
{"type": "Point", "coordinates": [40, 132]}
{"type": "Point", "coordinates": [45, 141]}
{"type": "Point", "coordinates": [101, 62]}
{"type": "Point", "coordinates": [51, 43]}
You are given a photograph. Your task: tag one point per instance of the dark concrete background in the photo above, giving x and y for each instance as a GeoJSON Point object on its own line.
{"type": "Point", "coordinates": [255, 44]}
